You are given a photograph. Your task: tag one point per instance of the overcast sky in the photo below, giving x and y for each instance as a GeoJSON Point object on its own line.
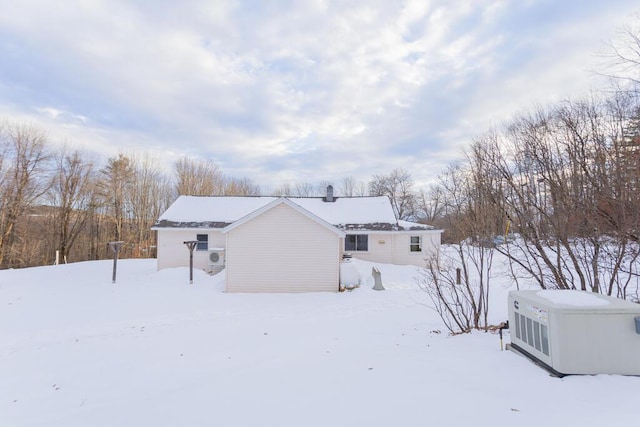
{"type": "Point", "coordinates": [304, 90]}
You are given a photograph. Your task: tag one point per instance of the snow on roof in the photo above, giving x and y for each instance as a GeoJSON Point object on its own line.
{"type": "Point", "coordinates": [573, 298]}
{"type": "Point", "coordinates": [213, 209]}
{"type": "Point", "coordinates": [228, 209]}
{"type": "Point", "coordinates": [350, 210]}
{"type": "Point", "coordinates": [407, 225]}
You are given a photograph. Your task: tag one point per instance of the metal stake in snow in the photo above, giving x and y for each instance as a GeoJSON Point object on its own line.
{"type": "Point", "coordinates": [191, 244]}
{"type": "Point", "coordinates": [115, 247]}
{"type": "Point", "coordinates": [501, 326]}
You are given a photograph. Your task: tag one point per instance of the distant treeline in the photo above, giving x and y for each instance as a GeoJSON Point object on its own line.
{"type": "Point", "coordinates": [59, 204]}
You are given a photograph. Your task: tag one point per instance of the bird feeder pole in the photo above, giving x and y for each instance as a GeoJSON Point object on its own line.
{"type": "Point", "coordinates": [115, 247]}
{"type": "Point", "coordinates": [191, 245]}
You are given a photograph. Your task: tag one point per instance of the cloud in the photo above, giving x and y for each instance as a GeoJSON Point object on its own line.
{"type": "Point", "coordinates": [302, 90]}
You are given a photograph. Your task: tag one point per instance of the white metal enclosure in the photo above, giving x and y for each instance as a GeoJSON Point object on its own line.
{"type": "Point", "coordinates": [575, 332]}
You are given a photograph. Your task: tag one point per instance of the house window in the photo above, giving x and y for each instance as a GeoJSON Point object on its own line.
{"type": "Point", "coordinates": [203, 242]}
{"type": "Point", "coordinates": [356, 242]}
{"type": "Point", "coordinates": [414, 244]}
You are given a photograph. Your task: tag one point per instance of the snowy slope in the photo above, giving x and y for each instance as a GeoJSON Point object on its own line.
{"type": "Point", "coordinates": [151, 350]}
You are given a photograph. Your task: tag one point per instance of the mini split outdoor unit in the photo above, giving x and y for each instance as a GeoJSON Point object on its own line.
{"type": "Point", "coordinates": [216, 259]}
{"type": "Point", "coordinates": [574, 332]}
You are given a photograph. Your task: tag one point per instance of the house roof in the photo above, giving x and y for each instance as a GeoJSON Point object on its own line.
{"type": "Point", "coordinates": [345, 213]}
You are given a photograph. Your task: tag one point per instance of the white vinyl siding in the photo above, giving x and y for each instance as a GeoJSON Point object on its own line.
{"type": "Point", "coordinates": [172, 252]}
{"type": "Point", "coordinates": [379, 249]}
{"type": "Point", "coordinates": [395, 247]}
{"type": "Point", "coordinates": [282, 250]}
{"type": "Point", "coordinates": [403, 255]}
{"type": "Point", "coordinates": [389, 248]}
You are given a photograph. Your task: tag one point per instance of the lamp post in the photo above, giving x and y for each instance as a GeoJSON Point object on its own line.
{"type": "Point", "coordinates": [191, 245]}
{"type": "Point", "coordinates": [115, 247]}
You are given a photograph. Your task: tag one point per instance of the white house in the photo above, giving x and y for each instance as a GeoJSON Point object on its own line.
{"type": "Point", "coordinates": [287, 244]}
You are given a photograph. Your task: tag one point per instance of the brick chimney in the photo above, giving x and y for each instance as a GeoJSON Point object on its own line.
{"type": "Point", "coordinates": [329, 197]}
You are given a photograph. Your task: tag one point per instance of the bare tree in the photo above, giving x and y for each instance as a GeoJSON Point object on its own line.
{"type": "Point", "coordinates": [303, 189]}
{"type": "Point", "coordinates": [622, 56]}
{"type": "Point", "coordinates": [241, 187]}
{"type": "Point", "coordinates": [430, 204]}
{"type": "Point", "coordinates": [148, 197]}
{"type": "Point", "coordinates": [350, 187]}
{"type": "Point", "coordinates": [71, 193]}
{"type": "Point", "coordinates": [457, 278]}
{"type": "Point", "coordinates": [398, 187]}
{"type": "Point", "coordinates": [298, 189]}
{"type": "Point", "coordinates": [23, 180]}
{"type": "Point", "coordinates": [115, 184]}
{"type": "Point", "coordinates": [198, 177]}
{"type": "Point", "coordinates": [360, 189]}
{"type": "Point", "coordinates": [562, 190]}
{"type": "Point", "coordinates": [283, 190]}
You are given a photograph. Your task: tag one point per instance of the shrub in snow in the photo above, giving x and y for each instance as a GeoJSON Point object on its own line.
{"type": "Point", "coordinates": [457, 283]}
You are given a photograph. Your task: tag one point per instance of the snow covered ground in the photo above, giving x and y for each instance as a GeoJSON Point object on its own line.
{"type": "Point", "coordinates": [151, 350]}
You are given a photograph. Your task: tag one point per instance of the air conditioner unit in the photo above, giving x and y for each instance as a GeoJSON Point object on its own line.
{"type": "Point", "coordinates": [216, 257]}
